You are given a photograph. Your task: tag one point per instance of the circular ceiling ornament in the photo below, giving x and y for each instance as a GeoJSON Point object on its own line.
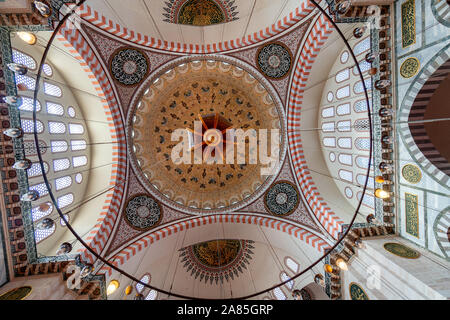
{"type": "Point", "coordinates": [216, 94]}
{"type": "Point", "coordinates": [129, 66]}
{"type": "Point", "coordinates": [282, 199]}
{"type": "Point", "coordinates": [410, 67]}
{"type": "Point", "coordinates": [143, 212]}
{"type": "Point", "coordinates": [274, 60]}
{"type": "Point", "coordinates": [356, 292]}
{"type": "Point", "coordinates": [412, 173]}
{"type": "Point", "coordinates": [401, 250]}
{"type": "Point", "coordinates": [221, 259]}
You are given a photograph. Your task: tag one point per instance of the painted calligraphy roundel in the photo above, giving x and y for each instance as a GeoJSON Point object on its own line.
{"type": "Point", "coordinates": [129, 66]}
{"type": "Point", "coordinates": [274, 60]}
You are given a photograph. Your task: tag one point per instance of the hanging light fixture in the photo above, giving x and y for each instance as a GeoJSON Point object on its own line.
{"type": "Point", "coordinates": [13, 132]}
{"type": "Point", "coordinates": [387, 139]}
{"type": "Point", "coordinates": [43, 9]}
{"type": "Point", "coordinates": [385, 167]}
{"type": "Point", "coordinates": [139, 296]}
{"type": "Point", "coordinates": [359, 32]}
{"type": "Point", "coordinates": [341, 264]}
{"type": "Point", "coordinates": [18, 68]}
{"type": "Point", "coordinates": [297, 295]}
{"type": "Point", "coordinates": [382, 84]}
{"type": "Point", "coordinates": [370, 57]}
{"type": "Point", "coordinates": [128, 290]}
{"type": "Point", "coordinates": [382, 194]}
{"type": "Point", "coordinates": [343, 6]}
{"type": "Point", "coordinates": [328, 268]}
{"type": "Point", "coordinates": [359, 244]}
{"type": "Point", "coordinates": [87, 270]}
{"type": "Point", "coordinates": [12, 100]}
{"type": "Point", "coordinates": [22, 164]}
{"type": "Point", "coordinates": [65, 248]}
{"type": "Point", "coordinates": [27, 37]}
{"type": "Point", "coordinates": [45, 224]}
{"type": "Point", "coordinates": [318, 278]}
{"type": "Point", "coordinates": [380, 179]}
{"type": "Point", "coordinates": [31, 195]}
{"type": "Point", "coordinates": [112, 287]}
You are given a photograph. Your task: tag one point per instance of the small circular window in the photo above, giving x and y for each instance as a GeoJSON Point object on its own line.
{"type": "Point", "coordinates": [71, 111]}
{"type": "Point", "coordinates": [78, 178]}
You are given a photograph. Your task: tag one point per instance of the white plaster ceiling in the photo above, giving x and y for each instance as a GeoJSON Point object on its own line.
{"type": "Point", "coordinates": [146, 17]}
{"type": "Point", "coordinates": [161, 260]}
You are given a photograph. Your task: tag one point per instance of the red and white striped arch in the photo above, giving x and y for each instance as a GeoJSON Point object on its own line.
{"type": "Point", "coordinates": [88, 14]}
{"type": "Point", "coordinates": [127, 253]}
{"type": "Point", "coordinates": [78, 47]}
{"type": "Point", "coordinates": [314, 42]}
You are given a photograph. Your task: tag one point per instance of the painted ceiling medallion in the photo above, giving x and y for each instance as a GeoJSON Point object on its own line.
{"type": "Point", "coordinates": [410, 67]}
{"type": "Point", "coordinates": [204, 94]}
{"type": "Point", "coordinates": [401, 250]}
{"type": "Point", "coordinates": [143, 212]}
{"type": "Point", "coordinates": [217, 260]}
{"type": "Point", "coordinates": [129, 66]}
{"type": "Point", "coordinates": [356, 292]}
{"type": "Point", "coordinates": [199, 12]}
{"type": "Point", "coordinates": [411, 173]}
{"type": "Point", "coordinates": [274, 60]}
{"type": "Point", "coordinates": [282, 198]}
{"type": "Point", "coordinates": [17, 294]}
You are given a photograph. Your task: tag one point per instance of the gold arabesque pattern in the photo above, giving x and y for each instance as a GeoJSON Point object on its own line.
{"type": "Point", "coordinates": [197, 91]}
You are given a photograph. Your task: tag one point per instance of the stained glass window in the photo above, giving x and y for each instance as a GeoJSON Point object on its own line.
{"type": "Point", "coordinates": [52, 90]}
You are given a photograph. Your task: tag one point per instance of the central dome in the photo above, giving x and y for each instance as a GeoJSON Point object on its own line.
{"type": "Point", "coordinates": [217, 95]}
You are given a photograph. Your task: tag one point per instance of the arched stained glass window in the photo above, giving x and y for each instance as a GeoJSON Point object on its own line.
{"type": "Point", "coordinates": [343, 92]}
{"type": "Point", "coordinates": [344, 126]}
{"type": "Point", "coordinates": [343, 109]}
{"type": "Point", "coordinates": [56, 127]}
{"type": "Point", "coordinates": [345, 143]}
{"type": "Point", "coordinates": [65, 200]}
{"type": "Point", "coordinates": [35, 169]}
{"type": "Point", "coordinates": [52, 90]}
{"type": "Point", "coordinates": [368, 199]}
{"type": "Point", "coordinates": [77, 145]}
{"type": "Point", "coordinates": [342, 75]}
{"type": "Point", "coordinates": [362, 143]}
{"type": "Point", "coordinates": [284, 277]}
{"type": "Point", "coordinates": [79, 161]}
{"type": "Point", "coordinates": [328, 112]}
{"type": "Point", "coordinates": [40, 188]}
{"type": "Point", "coordinates": [48, 71]}
{"type": "Point", "coordinates": [145, 279]}
{"type": "Point", "coordinates": [29, 82]}
{"type": "Point", "coordinates": [362, 46]}
{"type": "Point", "coordinates": [292, 265]}
{"type": "Point", "coordinates": [329, 142]}
{"type": "Point", "coordinates": [61, 164]}
{"type": "Point", "coordinates": [346, 159]}
{"type": "Point", "coordinates": [328, 127]}
{"type": "Point", "coordinates": [75, 128]}
{"type": "Point", "coordinates": [55, 108]}
{"type": "Point", "coordinates": [279, 294]}
{"type": "Point", "coordinates": [28, 126]}
{"type": "Point", "coordinates": [152, 295]}
{"type": "Point", "coordinates": [59, 146]}
{"type": "Point", "coordinates": [346, 175]}
{"type": "Point", "coordinates": [41, 211]}
{"type": "Point", "coordinates": [63, 182]}
{"type": "Point", "coordinates": [20, 57]}
{"type": "Point", "coordinates": [27, 104]}
{"type": "Point", "coordinates": [40, 235]}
